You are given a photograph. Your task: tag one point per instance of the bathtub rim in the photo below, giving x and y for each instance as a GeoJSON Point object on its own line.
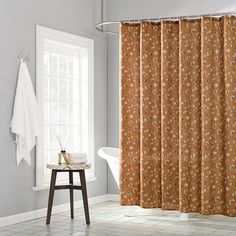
{"type": "Point", "coordinates": [104, 153]}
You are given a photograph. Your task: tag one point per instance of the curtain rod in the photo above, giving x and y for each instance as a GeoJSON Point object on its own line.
{"type": "Point", "coordinates": [100, 27]}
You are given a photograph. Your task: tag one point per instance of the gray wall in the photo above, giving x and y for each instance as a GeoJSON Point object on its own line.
{"type": "Point", "coordinates": [133, 9]}
{"type": "Point", "coordinates": [17, 32]}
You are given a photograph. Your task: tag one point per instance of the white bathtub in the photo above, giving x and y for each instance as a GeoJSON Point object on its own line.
{"type": "Point", "coordinates": [111, 155]}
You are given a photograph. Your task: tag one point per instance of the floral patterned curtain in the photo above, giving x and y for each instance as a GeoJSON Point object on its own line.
{"type": "Point", "coordinates": [178, 115]}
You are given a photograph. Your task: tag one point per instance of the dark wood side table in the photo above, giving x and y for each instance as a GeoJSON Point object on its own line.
{"type": "Point", "coordinates": [79, 168]}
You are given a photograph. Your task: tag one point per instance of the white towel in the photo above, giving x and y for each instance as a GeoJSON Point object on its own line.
{"type": "Point", "coordinates": [78, 158]}
{"type": "Point", "coordinates": [25, 122]}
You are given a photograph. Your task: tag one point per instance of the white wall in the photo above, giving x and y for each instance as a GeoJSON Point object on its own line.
{"type": "Point", "coordinates": [17, 32]}
{"type": "Point", "coordinates": [134, 9]}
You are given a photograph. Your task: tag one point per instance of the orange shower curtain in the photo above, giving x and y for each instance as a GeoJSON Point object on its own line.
{"type": "Point", "coordinates": [178, 115]}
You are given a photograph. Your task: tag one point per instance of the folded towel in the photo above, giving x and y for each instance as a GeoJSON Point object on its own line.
{"type": "Point", "coordinates": [79, 161]}
{"type": "Point", "coordinates": [78, 158]}
{"type": "Point", "coordinates": [78, 155]}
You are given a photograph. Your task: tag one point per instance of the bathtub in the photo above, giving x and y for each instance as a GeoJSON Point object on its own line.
{"type": "Point", "coordinates": [111, 155]}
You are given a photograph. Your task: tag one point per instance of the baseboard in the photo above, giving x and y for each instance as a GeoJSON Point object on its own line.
{"type": "Point", "coordinates": [113, 197]}
{"type": "Point", "coordinates": [30, 215]}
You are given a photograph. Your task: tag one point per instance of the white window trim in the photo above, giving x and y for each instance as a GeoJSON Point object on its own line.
{"type": "Point", "coordinates": [41, 33]}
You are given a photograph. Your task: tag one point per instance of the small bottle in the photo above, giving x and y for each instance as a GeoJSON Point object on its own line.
{"type": "Point", "coordinates": [61, 155]}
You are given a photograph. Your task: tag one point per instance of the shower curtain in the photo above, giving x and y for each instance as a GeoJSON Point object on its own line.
{"type": "Point", "coordinates": [178, 115]}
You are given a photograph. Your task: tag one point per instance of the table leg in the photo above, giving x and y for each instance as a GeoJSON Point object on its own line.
{"type": "Point", "coordinates": [71, 194]}
{"type": "Point", "coordinates": [84, 194]}
{"type": "Point", "coordinates": [51, 195]}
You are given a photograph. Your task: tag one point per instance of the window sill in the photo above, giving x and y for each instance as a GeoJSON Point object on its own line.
{"type": "Point", "coordinates": [47, 186]}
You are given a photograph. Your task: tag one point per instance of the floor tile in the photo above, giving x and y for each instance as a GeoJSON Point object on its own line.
{"type": "Point", "coordinates": [111, 219]}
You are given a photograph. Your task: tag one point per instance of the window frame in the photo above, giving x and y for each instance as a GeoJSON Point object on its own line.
{"type": "Point", "coordinates": [79, 41]}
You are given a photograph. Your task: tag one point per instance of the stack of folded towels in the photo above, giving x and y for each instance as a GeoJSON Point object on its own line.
{"type": "Point", "coordinates": [78, 158]}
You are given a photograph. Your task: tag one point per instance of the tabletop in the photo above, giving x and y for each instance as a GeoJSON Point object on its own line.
{"type": "Point", "coordinates": [81, 166]}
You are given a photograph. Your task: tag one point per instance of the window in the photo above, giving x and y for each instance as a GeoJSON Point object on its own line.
{"type": "Point", "coordinates": [65, 96]}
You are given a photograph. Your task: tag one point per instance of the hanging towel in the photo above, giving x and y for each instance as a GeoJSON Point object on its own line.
{"type": "Point", "coordinates": [25, 122]}
{"type": "Point", "coordinates": [78, 158]}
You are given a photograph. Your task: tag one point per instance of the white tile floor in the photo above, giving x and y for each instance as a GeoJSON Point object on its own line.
{"type": "Point", "coordinates": [111, 219]}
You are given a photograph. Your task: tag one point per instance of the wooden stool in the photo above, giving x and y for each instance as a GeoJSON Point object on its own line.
{"type": "Point", "coordinates": [70, 169]}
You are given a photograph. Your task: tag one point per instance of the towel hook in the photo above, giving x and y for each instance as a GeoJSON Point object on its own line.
{"type": "Point", "coordinates": [23, 56]}
{"type": "Point", "coordinates": [20, 54]}
{"type": "Point", "coordinates": [27, 57]}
